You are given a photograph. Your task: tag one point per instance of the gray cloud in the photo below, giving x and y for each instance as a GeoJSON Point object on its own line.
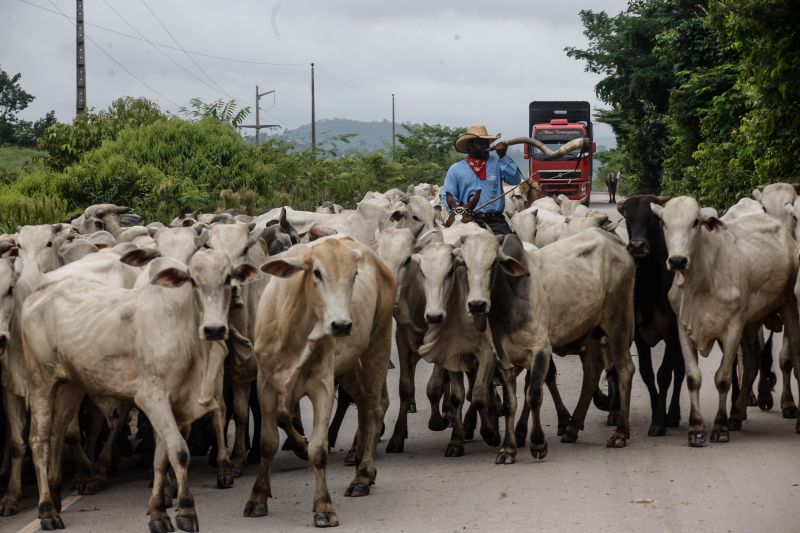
{"type": "Point", "coordinates": [455, 63]}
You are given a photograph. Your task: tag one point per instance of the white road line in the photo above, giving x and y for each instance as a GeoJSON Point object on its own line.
{"type": "Point", "coordinates": [65, 503]}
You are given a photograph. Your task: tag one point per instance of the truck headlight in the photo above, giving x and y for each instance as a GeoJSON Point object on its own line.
{"type": "Point", "coordinates": [583, 187]}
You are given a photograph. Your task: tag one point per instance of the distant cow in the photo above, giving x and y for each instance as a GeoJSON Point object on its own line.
{"type": "Point", "coordinates": [612, 180]}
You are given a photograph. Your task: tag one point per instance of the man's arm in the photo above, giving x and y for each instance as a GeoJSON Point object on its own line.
{"type": "Point", "coordinates": [509, 171]}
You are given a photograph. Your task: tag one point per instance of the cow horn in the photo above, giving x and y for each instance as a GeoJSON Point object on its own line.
{"type": "Point", "coordinates": [121, 209]}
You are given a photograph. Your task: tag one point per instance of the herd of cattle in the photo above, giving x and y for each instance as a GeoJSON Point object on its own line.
{"type": "Point", "coordinates": [180, 322]}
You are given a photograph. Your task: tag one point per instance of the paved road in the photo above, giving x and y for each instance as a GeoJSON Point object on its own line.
{"type": "Point", "coordinates": [749, 484]}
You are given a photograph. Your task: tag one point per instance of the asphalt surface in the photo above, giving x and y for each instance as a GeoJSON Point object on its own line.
{"type": "Point", "coordinates": [751, 483]}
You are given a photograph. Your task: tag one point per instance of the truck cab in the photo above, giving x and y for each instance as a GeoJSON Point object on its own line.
{"type": "Point", "coordinates": [554, 124]}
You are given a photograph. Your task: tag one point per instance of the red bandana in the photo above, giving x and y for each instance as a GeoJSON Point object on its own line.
{"type": "Point", "coordinates": [478, 166]}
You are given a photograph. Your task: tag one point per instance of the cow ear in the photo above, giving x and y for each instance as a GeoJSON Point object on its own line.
{"type": "Point", "coordinates": [283, 267]}
{"type": "Point", "coordinates": [56, 228]}
{"type": "Point", "coordinates": [428, 237]}
{"type": "Point", "coordinates": [171, 277]}
{"type": "Point", "coordinates": [708, 216]}
{"type": "Point", "coordinates": [512, 267]}
{"type": "Point", "coordinates": [657, 209]}
{"type": "Point", "coordinates": [202, 238]}
{"type": "Point", "coordinates": [245, 273]}
{"type": "Point", "coordinates": [661, 200]}
{"type": "Point", "coordinates": [397, 215]}
{"type": "Point", "coordinates": [792, 209]}
{"type": "Point", "coordinates": [139, 257]}
{"type": "Point", "coordinates": [757, 193]}
{"type": "Point", "coordinates": [621, 209]}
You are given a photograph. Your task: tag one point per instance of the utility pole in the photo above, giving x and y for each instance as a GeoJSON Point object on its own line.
{"type": "Point", "coordinates": [258, 126]}
{"type": "Point", "coordinates": [80, 64]}
{"type": "Point", "coordinates": [313, 113]}
{"type": "Point", "coordinates": [393, 137]}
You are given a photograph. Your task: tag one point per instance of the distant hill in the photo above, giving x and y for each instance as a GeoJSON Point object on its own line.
{"type": "Point", "coordinates": [369, 136]}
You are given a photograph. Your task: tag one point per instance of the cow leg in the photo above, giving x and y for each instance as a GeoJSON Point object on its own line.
{"type": "Point", "coordinates": [766, 376]}
{"type": "Point", "coordinates": [620, 356]}
{"type": "Point", "coordinates": [790, 349]}
{"type": "Point", "coordinates": [257, 505]}
{"type": "Point", "coordinates": [434, 391]}
{"type": "Point", "coordinates": [321, 394]}
{"type": "Point", "coordinates": [591, 361]}
{"type": "Point", "coordinates": [483, 397]}
{"type": "Point", "coordinates": [694, 380]}
{"type": "Point", "coordinates": [657, 425]}
{"type": "Point", "coordinates": [159, 500]}
{"type": "Point", "coordinates": [539, 368]}
{"type": "Point", "coordinates": [613, 397]}
{"type": "Point", "coordinates": [156, 405]}
{"type": "Point", "coordinates": [673, 355]}
{"type": "Point", "coordinates": [241, 403]}
{"type": "Point", "coordinates": [253, 456]}
{"type": "Point", "coordinates": [16, 413]}
{"type": "Point", "coordinates": [408, 362]}
{"type": "Point", "coordinates": [223, 461]}
{"type": "Point", "coordinates": [294, 439]}
{"type": "Point", "coordinates": [508, 453]}
{"type": "Point", "coordinates": [723, 378]}
{"type": "Point", "coordinates": [343, 401]}
{"type": "Point", "coordinates": [69, 432]}
{"type": "Point", "coordinates": [117, 421]}
{"type": "Point", "coordinates": [41, 397]}
{"type": "Point", "coordinates": [786, 363]}
{"type": "Point", "coordinates": [751, 358]}
{"type": "Point", "coordinates": [471, 416]}
{"type": "Point", "coordinates": [455, 447]}
{"type": "Point", "coordinates": [521, 430]}
{"type": "Point", "coordinates": [563, 413]}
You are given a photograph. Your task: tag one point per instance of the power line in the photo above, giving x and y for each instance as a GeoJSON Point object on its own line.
{"type": "Point", "coordinates": [351, 85]}
{"type": "Point", "coordinates": [120, 65]}
{"type": "Point", "coordinates": [164, 45]}
{"type": "Point", "coordinates": [159, 50]}
{"type": "Point", "coordinates": [226, 93]}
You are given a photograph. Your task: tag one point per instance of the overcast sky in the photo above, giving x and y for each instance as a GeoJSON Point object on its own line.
{"type": "Point", "coordinates": [455, 63]}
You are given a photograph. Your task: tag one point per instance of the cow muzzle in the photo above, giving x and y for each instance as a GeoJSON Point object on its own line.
{"type": "Point", "coordinates": [434, 318]}
{"type": "Point", "coordinates": [678, 263]}
{"type": "Point", "coordinates": [477, 307]}
{"type": "Point", "coordinates": [215, 332]}
{"type": "Point", "coordinates": [639, 248]}
{"type": "Point", "coordinates": [341, 328]}
{"type": "Point", "coordinates": [3, 341]}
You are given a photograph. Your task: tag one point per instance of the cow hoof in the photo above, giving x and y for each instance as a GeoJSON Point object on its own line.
{"type": "Point", "coordinates": [563, 422]}
{"type": "Point", "coordinates": [469, 432]}
{"type": "Point", "coordinates": [253, 509]}
{"type": "Point", "coordinates": [454, 450]}
{"type": "Point", "coordinates": [491, 437]}
{"type": "Point", "coordinates": [570, 434]}
{"type": "Point", "coordinates": [395, 445]}
{"type": "Point", "coordinates": [539, 450]}
{"type": "Point", "coordinates": [437, 423]}
{"type": "Point", "coordinates": [656, 431]}
{"type": "Point", "coordinates": [505, 457]}
{"type": "Point", "coordinates": [789, 412]}
{"type": "Point", "coordinates": [224, 481]}
{"type": "Point", "coordinates": [328, 519]}
{"type": "Point", "coordinates": [765, 402]}
{"type": "Point", "coordinates": [51, 523]}
{"type": "Point", "coordinates": [734, 424]}
{"type": "Point", "coordinates": [697, 438]}
{"type": "Point", "coordinates": [612, 419]}
{"type": "Point", "coordinates": [84, 487]}
{"type": "Point", "coordinates": [720, 435]}
{"type": "Point", "coordinates": [356, 490]}
{"type": "Point", "coordinates": [412, 407]}
{"type": "Point", "coordinates": [617, 441]}
{"type": "Point", "coordinates": [8, 509]}
{"type": "Point", "coordinates": [673, 418]}
{"type": "Point", "coordinates": [163, 525]}
{"type": "Point", "coordinates": [187, 522]}
{"type": "Point", "coordinates": [351, 459]}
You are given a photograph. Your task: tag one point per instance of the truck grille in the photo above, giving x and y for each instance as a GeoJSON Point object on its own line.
{"type": "Point", "coordinates": [559, 174]}
{"type": "Point", "coordinates": [551, 189]}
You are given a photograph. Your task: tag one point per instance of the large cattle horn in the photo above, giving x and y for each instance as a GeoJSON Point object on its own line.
{"type": "Point", "coordinates": [580, 143]}
{"type": "Point", "coordinates": [6, 245]}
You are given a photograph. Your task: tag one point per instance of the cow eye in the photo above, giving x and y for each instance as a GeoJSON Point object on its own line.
{"type": "Point", "coordinates": [696, 222]}
{"type": "Point", "coordinates": [228, 280]}
{"type": "Point", "coordinates": [10, 291]}
{"type": "Point", "coordinates": [50, 244]}
{"type": "Point", "coordinates": [415, 217]}
{"type": "Point", "coordinates": [194, 283]}
{"type": "Point", "coordinates": [318, 274]}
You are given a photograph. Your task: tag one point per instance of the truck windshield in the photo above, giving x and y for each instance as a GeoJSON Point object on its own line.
{"type": "Point", "coordinates": [553, 139]}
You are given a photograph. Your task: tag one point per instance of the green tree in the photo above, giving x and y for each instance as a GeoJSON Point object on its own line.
{"type": "Point", "coordinates": [13, 99]}
{"type": "Point", "coordinates": [223, 111]}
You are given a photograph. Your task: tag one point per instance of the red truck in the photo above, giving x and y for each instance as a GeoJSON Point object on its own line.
{"type": "Point", "coordinates": [554, 124]}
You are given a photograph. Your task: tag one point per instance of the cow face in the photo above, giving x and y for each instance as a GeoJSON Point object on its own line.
{"type": "Point", "coordinates": [642, 224]}
{"type": "Point", "coordinates": [179, 243]}
{"type": "Point", "coordinates": [105, 217]}
{"type": "Point", "coordinates": [8, 278]}
{"type": "Point", "coordinates": [481, 254]}
{"type": "Point", "coordinates": [329, 267]}
{"type": "Point", "coordinates": [38, 246]}
{"type": "Point", "coordinates": [774, 198]}
{"type": "Point", "coordinates": [793, 209]}
{"type": "Point", "coordinates": [683, 219]}
{"type": "Point", "coordinates": [437, 266]}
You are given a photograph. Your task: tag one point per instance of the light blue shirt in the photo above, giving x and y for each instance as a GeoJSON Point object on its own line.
{"type": "Point", "coordinates": [462, 182]}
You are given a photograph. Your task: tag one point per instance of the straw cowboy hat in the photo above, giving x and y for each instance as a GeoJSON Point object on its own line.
{"type": "Point", "coordinates": [473, 132]}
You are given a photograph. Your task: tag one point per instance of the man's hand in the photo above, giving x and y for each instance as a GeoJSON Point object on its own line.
{"type": "Point", "coordinates": [501, 149]}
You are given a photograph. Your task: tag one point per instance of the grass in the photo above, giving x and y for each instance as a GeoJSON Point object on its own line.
{"type": "Point", "coordinates": [13, 157]}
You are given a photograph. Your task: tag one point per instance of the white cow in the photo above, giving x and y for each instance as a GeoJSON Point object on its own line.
{"type": "Point", "coordinates": [165, 355]}
{"type": "Point", "coordinates": [729, 278]}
